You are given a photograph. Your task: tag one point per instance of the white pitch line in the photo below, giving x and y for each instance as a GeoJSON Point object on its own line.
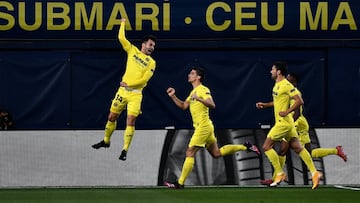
{"type": "Point", "coordinates": [346, 188]}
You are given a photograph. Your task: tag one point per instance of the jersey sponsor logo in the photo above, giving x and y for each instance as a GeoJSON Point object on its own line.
{"type": "Point", "coordinates": [140, 60]}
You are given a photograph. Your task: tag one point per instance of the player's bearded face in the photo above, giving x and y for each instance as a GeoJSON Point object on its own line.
{"type": "Point", "coordinates": [148, 47]}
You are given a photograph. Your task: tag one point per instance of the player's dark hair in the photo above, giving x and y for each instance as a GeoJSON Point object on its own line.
{"type": "Point", "coordinates": [281, 66]}
{"type": "Point", "coordinates": [147, 37]}
{"type": "Point", "coordinates": [200, 72]}
{"type": "Point", "coordinates": [295, 76]}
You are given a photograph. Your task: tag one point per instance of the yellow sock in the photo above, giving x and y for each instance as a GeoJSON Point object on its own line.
{"type": "Point", "coordinates": [321, 152]}
{"type": "Point", "coordinates": [128, 135]}
{"type": "Point", "coordinates": [274, 160]}
{"type": "Point", "coordinates": [231, 148]}
{"type": "Point", "coordinates": [109, 129]}
{"type": "Point", "coordinates": [186, 170]}
{"type": "Point", "coordinates": [305, 156]}
{"type": "Point", "coordinates": [282, 160]}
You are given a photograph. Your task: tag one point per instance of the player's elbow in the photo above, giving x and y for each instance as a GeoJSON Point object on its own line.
{"type": "Point", "coordinates": [301, 102]}
{"type": "Point", "coordinates": [212, 105]}
{"type": "Point", "coordinates": [182, 106]}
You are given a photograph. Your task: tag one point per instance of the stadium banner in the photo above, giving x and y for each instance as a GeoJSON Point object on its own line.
{"type": "Point", "coordinates": [211, 19]}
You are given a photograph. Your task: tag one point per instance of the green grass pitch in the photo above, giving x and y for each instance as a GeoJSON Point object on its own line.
{"type": "Point", "coordinates": [325, 194]}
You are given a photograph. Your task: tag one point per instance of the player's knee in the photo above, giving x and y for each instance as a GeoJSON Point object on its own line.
{"type": "Point", "coordinates": [190, 154]}
{"type": "Point", "coordinates": [130, 120]}
{"type": "Point", "coordinates": [283, 149]}
{"type": "Point", "coordinates": [266, 147]}
{"type": "Point", "coordinates": [298, 149]}
{"type": "Point", "coordinates": [113, 117]}
{"type": "Point", "coordinates": [282, 153]}
{"type": "Point", "coordinates": [268, 144]}
{"type": "Point", "coordinates": [216, 154]}
{"type": "Point", "coordinates": [191, 151]}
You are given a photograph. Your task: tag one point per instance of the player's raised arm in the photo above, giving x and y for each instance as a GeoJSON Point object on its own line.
{"type": "Point", "coordinates": [181, 104]}
{"type": "Point", "coordinates": [124, 42]}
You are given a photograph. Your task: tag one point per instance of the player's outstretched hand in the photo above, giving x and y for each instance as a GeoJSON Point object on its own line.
{"type": "Point", "coordinates": [170, 91]}
{"type": "Point", "coordinates": [260, 105]}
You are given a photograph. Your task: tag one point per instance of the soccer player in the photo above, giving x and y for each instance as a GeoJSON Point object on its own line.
{"type": "Point", "coordinates": [284, 128]}
{"type": "Point", "coordinates": [200, 101]}
{"type": "Point", "coordinates": [140, 67]}
{"type": "Point", "coordinates": [302, 128]}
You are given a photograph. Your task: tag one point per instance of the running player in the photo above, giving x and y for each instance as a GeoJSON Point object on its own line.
{"type": "Point", "coordinates": [284, 128]}
{"type": "Point", "coordinates": [302, 128]}
{"type": "Point", "coordinates": [200, 101]}
{"type": "Point", "coordinates": [140, 67]}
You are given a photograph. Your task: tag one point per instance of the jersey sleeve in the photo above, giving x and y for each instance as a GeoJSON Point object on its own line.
{"type": "Point", "coordinates": [205, 93]}
{"type": "Point", "coordinates": [123, 41]}
{"type": "Point", "coordinates": [293, 91]}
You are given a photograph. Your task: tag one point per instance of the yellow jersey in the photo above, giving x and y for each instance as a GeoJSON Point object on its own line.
{"type": "Point", "coordinates": [139, 66]}
{"type": "Point", "coordinates": [199, 112]}
{"type": "Point", "coordinates": [301, 122]}
{"type": "Point", "coordinates": [282, 93]}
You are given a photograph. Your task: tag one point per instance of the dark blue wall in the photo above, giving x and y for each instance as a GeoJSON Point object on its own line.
{"type": "Point", "coordinates": [72, 89]}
